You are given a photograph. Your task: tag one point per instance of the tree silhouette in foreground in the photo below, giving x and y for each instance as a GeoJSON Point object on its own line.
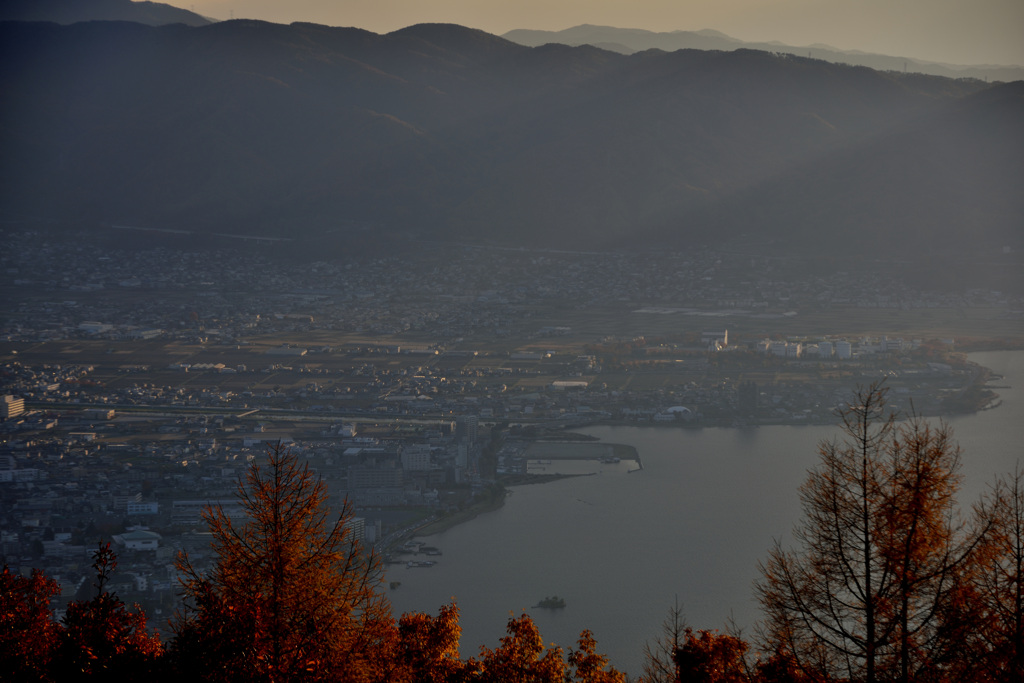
{"type": "Point", "coordinates": [589, 666]}
{"type": "Point", "coordinates": [883, 552]}
{"type": "Point", "coordinates": [98, 638]}
{"type": "Point", "coordinates": [426, 649]}
{"type": "Point", "coordinates": [711, 657]}
{"type": "Point", "coordinates": [659, 665]}
{"type": "Point", "coordinates": [28, 633]}
{"type": "Point", "coordinates": [522, 658]}
{"type": "Point", "coordinates": [291, 596]}
{"type": "Point", "coordinates": [102, 637]}
{"type": "Point", "coordinates": [988, 622]}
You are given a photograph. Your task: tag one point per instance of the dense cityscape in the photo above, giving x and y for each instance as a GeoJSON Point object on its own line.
{"type": "Point", "coordinates": [139, 383]}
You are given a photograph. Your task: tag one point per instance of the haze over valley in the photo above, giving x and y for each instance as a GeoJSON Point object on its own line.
{"type": "Point", "coordinates": [444, 133]}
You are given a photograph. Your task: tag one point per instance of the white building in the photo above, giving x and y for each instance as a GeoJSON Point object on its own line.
{"type": "Point", "coordinates": [569, 384]}
{"type": "Point", "coordinates": [139, 540]}
{"type": "Point", "coordinates": [94, 327]}
{"type": "Point", "coordinates": [11, 406]}
{"type": "Point", "coordinates": [140, 508]}
{"type": "Point", "coordinates": [674, 413]}
{"type": "Point", "coordinates": [416, 457]}
{"type": "Point", "coordinates": [844, 350]}
{"type": "Point", "coordinates": [891, 345]}
{"type": "Point", "coordinates": [356, 527]}
{"type": "Point", "coordinates": [715, 337]}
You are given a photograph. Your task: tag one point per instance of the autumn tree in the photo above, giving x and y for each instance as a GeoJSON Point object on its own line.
{"type": "Point", "coordinates": [881, 550]}
{"type": "Point", "coordinates": [425, 648]}
{"type": "Point", "coordinates": [781, 667]}
{"type": "Point", "coordinates": [987, 622]}
{"type": "Point", "coordinates": [1002, 585]}
{"type": "Point", "coordinates": [588, 666]}
{"type": "Point", "coordinates": [520, 658]}
{"type": "Point", "coordinates": [711, 657]}
{"type": "Point", "coordinates": [291, 595]}
{"type": "Point", "coordinates": [103, 637]}
{"type": "Point", "coordinates": [215, 640]}
{"type": "Point", "coordinates": [821, 606]}
{"type": "Point", "coordinates": [925, 545]}
{"type": "Point", "coordinates": [28, 633]}
{"type": "Point", "coordinates": [659, 665]}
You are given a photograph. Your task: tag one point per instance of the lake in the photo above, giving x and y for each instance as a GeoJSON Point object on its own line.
{"type": "Point", "coordinates": [621, 545]}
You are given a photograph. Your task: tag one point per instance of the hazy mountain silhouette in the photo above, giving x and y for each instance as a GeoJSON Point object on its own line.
{"type": "Point", "coordinates": [443, 132]}
{"type": "Point", "coordinates": [71, 11]}
{"type": "Point", "coordinates": [628, 41]}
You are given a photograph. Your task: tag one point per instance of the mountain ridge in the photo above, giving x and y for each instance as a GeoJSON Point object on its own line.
{"type": "Point", "coordinates": [73, 11]}
{"type": "Point", "coordinates": [636, 40]}
{"type": "Point", "coordinates": [442, 132]}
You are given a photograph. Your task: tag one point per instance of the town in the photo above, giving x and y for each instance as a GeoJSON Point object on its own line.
{"type": "Point", "coordinates": [139, 382]}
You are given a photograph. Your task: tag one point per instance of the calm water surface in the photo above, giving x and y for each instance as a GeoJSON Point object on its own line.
{"type": "Point", "coordinates": [619, 546]}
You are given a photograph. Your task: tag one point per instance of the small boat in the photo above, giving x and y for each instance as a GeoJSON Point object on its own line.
{"type": "Point", "coordinates": [423, 563]}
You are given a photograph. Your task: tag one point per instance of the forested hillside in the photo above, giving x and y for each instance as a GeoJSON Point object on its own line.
{"type": "Point", "coordinates": [444, 132]}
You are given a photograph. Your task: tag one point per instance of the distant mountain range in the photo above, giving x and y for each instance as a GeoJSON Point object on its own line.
{"type": "Point", "coordinates": [445, 133]}
{"type": "Point", "coordinates": [71, 11]}
{"type": "Point", "coordinates": [627, 41]}
{"type": "Point", "coordinates": [621, 40]}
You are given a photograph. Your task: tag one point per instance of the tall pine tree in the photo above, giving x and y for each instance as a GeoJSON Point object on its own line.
{"type": "Point", "coordinates": [881, 552]}
{"type": "Point", "coordinates": [291, 595]}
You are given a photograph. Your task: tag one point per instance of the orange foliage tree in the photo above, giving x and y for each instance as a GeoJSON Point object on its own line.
{"type": "Point", "coordinates": [425, 649]}
{"type": "Point", "coordinates": [987, 622]}
{"type": "Point", "coordinates": [291, 595]}
{"type": "Point", "coordinates": [589, 666]}
{"type": "Point", "coordinates": [882, 553]}
{"type": "Point", "coordinates": [28, 633]}
{"type": "Point", "coordinates": [925, 547]}
{"type": "Point", "coordinates": [102, 637]}
{"type": "Point", "coordinates": [711, 657]}
{"type": "Point", "coordinates": [521, 657]}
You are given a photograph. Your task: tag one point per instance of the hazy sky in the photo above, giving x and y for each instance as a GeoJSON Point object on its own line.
{"type": "Point", "coordinates": [957, 31]}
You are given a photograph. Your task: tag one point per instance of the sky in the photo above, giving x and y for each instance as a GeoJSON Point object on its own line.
{"type": "Point", "coordinates": [951, 31]}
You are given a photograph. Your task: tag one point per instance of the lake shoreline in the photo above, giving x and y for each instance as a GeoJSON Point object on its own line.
{"type": "Point", "coordinates": [494, 501]}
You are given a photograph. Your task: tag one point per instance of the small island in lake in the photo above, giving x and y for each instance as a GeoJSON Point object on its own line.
{"type": "Point", "coordinates": [551, 602]}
